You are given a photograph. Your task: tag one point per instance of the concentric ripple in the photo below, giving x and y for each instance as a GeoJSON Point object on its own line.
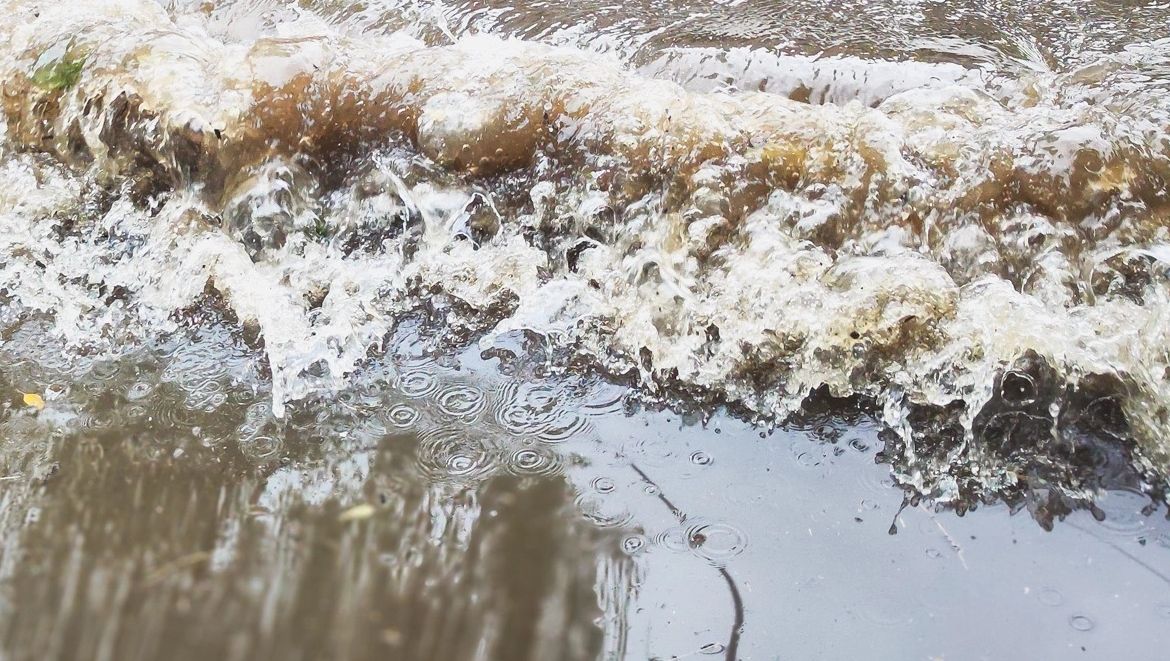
{"type": "Point", "coordinates": [715, 542]}
{"type": "Point", "coordinates": [260, 447]}
{"type": "Point", "coordinates": [455, 454]}
{"type": "Point", "coordinates": [1123, 518]}
{"type": "Point", "coordinates": [461, 401]}
{"type": "Point", "coordinates": [603, 512]}
{"type": "Point", "coordinates": [534, 461]}
{"type": "Point", "coordinates": [537, 409]}
{"type": "Point", "coordinates": [417, 383]}
{"type": "Point", "coordinates": [402, 416]}
{"type": "Point", "coordinates": [672, 539]}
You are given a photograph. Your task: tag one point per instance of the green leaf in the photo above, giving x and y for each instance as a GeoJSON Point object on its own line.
{"type": "Point", "coordinates": [58, 75]}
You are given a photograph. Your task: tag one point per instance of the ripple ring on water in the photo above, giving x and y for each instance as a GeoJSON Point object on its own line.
{"type": "Point", "coordinates": [461, 401]}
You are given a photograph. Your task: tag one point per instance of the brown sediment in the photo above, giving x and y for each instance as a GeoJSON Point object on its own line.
{"type": "Point", "coordinates": [737, 242]}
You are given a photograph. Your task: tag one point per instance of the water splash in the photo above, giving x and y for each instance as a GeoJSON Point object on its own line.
{"type": "Point", "coordinates": [983, 253]}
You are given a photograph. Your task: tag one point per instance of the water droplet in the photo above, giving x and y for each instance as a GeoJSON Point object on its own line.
{"type": "Point", "coordinates": [701, 458]}
{"type": "Point", "coordinates": [454, 454]}
{"type": "Point", "coordinates": [138, 391]}
{"type": "Point", "coordinates": [633, 544]}
{"type": "Point", "coordinates": [603, 485]}
{"type": "Point", "coordinates": [602, 512]}
{"type": "Point", "coordinates": [537, 409]}
{"type": "Point", "coordinates": [460, 463]}
{"type": "Point", "coordinates": [714, 541]}
{"type": "Point", "coordinates": [534, 461]}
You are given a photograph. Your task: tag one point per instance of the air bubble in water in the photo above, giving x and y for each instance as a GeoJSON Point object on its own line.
{"type": "Point", "coordinates": [139, 391]}
{"type": "Point", "coordinates": [633, 544]}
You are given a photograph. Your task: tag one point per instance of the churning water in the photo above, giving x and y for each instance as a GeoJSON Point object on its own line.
{"type": "Point", "coordinates": [264, 234]}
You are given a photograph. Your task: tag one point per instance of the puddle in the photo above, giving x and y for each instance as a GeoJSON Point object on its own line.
{"type": "Point", "coordinates": [500, 330]}
{"type": "Point", "coordinates": [504, 512]}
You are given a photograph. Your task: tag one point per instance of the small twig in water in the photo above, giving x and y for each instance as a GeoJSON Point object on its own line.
{"type": "Point", "coordinates": [189, 560]}
{"type": "Point", "coordinates": [732, 650]}
{"type": "Point", "coordinates": [954, 544]}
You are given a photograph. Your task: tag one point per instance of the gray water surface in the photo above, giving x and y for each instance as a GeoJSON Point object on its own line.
{"type": "Point", "coordinates": [484, 509]}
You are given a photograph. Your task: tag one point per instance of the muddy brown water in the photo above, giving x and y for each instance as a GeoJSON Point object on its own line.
{"type": "Point", "coordinates": [480, 330]}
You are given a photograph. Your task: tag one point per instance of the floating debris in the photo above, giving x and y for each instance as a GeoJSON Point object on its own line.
{"type": "Point", "coordinates": [33, 399]}
{"type": "Point", "coordinates": [357, 513]}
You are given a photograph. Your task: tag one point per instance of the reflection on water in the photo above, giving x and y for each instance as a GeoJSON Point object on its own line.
{"type": "Point", "coordinates": [452, 329]}
{"type": "Point", "coordinates": [156, 508]}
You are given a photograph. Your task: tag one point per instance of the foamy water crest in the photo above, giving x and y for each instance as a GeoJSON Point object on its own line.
{"type": "Point", "coordinates": [981, 249]}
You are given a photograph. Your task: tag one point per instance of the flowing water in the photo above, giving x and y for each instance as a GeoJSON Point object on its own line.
{"type": "Point", "coordinates": [537, 330]}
